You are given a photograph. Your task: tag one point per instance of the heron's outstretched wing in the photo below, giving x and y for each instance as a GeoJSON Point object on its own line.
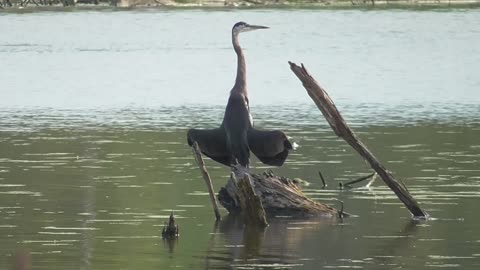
{"type": "Point", "coordinates": [271, 147]}
{"type": "Point", "coordinates": [212, 143]}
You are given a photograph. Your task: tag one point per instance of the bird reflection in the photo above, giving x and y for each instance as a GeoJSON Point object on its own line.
{"type": "Point", "coordinates": [22, 260]}
{"type": "Point", "coordinates": [233, 244]}
{"type": "Point", "coordinates": [170, 243]}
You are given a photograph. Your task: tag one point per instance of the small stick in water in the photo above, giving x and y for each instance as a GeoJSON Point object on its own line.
{"type": "Point", "coordinates": [341, 214]}
{"type": "Point", "coordinates": [201, 165]}
{"type": "Point", "coordinates": [323, 180]}
{"type": "Point", "coordinates": [373, 180]}
{"type": "Point", "coordinates": [359, 180]}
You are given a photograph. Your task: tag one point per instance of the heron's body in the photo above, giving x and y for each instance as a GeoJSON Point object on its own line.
{"type": "Point", "coordinates": [232, 142]}
{"type": "Point", "coordinates": [237, 124]}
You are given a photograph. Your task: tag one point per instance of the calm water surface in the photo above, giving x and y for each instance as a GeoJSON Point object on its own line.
{"type": "Point", "coordinates": [95, 106]}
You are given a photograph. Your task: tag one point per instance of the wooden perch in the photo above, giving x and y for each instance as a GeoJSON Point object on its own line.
{"type": "Point", "coordinates": [341, 129]}
{"type": "Point", "coordinates": [278, 196]}
{"type": "Point", "coordinates": [257, 196]}
{"type": "Point", "coordinates": [250, 203]}
{"type": "Point", "coordinates": [201, 165]}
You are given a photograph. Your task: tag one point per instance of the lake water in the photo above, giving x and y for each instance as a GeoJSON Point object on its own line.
{"type": "Point", "coordinates": [95, 105]}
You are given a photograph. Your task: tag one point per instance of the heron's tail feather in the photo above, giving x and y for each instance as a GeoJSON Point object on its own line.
{"type": "Point", "coordinates": [212, 143]}
{"type": "Point", "coordinates": [271, 147]}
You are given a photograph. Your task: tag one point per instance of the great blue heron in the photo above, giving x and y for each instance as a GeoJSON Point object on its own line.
{"type": "Point", "coordinates": [232, 142]}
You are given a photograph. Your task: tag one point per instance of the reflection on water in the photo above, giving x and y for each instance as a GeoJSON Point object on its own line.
{"type": "Point", "coordinates": [92, 189]}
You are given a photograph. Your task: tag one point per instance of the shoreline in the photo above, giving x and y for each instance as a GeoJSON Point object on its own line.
{"type": "Point", "coordinates": [71, 5]}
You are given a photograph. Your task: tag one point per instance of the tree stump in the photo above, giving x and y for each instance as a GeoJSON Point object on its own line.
{"type": "Point", "coordinates": [250, 202]}
{"type": "Point", "coordinates": [170, 230]}
{"type": "Point", "coordinates": [278, 196]}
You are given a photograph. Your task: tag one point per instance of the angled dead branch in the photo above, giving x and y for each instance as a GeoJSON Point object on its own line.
{"type": "Point", "coordinates": [341, 129]}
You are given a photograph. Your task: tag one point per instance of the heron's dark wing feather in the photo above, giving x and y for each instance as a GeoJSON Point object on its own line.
{"type": "Point", "coordinates": [271, 147]}
{"type": "Point", "coordinates": [212, 143]}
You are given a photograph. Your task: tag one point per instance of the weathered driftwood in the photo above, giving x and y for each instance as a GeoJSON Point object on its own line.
{"type": "Point", "coordinates": [341, 129]}
{"type": "Point", "coordinates": [201, 165]}
{"type": "Point", "coordinates": [278, 195]}
{"type": "Point", "coordinates": [250, 202]}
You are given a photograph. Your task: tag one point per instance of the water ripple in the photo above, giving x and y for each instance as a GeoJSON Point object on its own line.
{"type": "Point", "coordinates": [180, 117]}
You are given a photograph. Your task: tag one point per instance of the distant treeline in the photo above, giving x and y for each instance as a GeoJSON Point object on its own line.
{"type": "Point", "coordinates": [66, 3]}
{"type": "Point", "coordinates": [236, 3]}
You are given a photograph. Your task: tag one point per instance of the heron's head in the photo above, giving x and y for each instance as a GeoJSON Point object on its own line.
{"type": "Point", "coordinates": [245, 27]}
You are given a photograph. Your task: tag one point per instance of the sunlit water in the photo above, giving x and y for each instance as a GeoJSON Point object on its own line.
{"type": "Point", "coordinates": [95, 106]}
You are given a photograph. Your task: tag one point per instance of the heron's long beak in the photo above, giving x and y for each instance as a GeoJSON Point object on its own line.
{"type": "Point", "coordinates": [256, 27]}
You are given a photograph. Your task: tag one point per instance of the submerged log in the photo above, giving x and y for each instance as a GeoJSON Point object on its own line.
{"type": "Point", "coordinates": [279, 196]}
{"type": "Point", "coordinates": [341, 129]}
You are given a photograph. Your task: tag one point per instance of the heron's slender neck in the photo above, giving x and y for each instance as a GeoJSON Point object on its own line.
{"type": "Point", "coordinates": [241, 80]}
